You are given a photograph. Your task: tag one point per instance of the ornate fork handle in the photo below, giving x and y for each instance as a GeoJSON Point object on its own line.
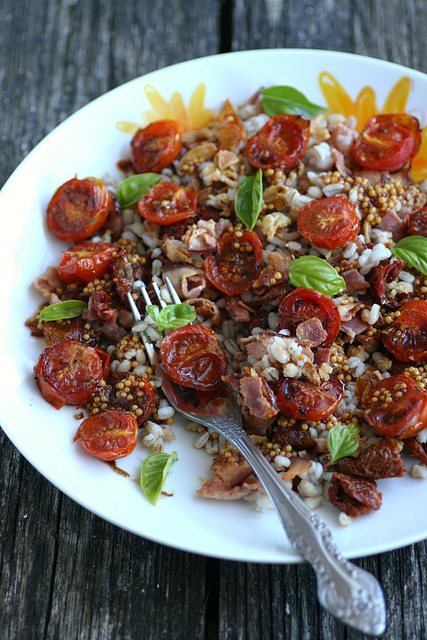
{"type": "Point", "coordinates": [349, 593]}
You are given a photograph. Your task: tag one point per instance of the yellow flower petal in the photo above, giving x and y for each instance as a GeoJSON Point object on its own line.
{"type": "Point", "coordinates": [366, 107]}
{"type": "Point", "coordinates": [177, 111]}
{"type": "Point", "coordinates": [336, 97]}
{"type": "Point", "coordinates": [419, 163]}
{"type": "Point", "coordinates": [159, 104]}
{"type": "Point", "coordinates": [398, 97]}
{"type": "Point", "coordinates": [128, 127]}
{"type": "Point", "coordinates": [198, 116]}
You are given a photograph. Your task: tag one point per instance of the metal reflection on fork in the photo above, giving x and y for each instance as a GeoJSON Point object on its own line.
{"type": "Point", "coordinates": [348, 592]}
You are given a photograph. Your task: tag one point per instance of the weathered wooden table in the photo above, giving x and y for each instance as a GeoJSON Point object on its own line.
{"type": "Point", "coordinates": [65, 573]}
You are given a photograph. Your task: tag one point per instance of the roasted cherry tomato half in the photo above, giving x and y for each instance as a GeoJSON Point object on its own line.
{"type": "Point", "coordinates": [396, 407]}
{"type": "Point", "coordinates": [167, 202]}
{"type": "Point", "coordinates": [303, 304]}
{"type": "Point", "coordinates": [236, 264]}
{"type": "Point", "coordinates": [68, 372]}
{"type": "Point", "coordinates": [77, 209]}
{"type": "Point", "coordinates": [86, 261]}
{"type": "Point", "coordinates": [388, 142]}
{"type": "Point", "coordinates": [192, 357]}
{"type": "Point", "coordinates": [417, 223]}
{"type": "Point", "coordinates": [406, 337]}
{"type": "Point", "coordinates": [108, 435]}
{"type": "Point", "coordinates": [304, 400]}
{"type": "Point", "coordinates": [329, 223]}
{"type": "Point", "coordinates": [230, 128]}
{"type": "Point", "coordinates": [280, 144]}
{"type": "Point", "coordinates": [156, 146]}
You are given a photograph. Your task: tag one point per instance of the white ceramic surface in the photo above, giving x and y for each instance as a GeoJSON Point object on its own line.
{"type": "Point", "coordinates": [89, 143]}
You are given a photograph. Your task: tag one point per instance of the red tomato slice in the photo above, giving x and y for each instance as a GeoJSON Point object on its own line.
{"type": "Point", "coordinates": [417, 223]}
{"type": "Point", "coordinates": [156, 146]}
{"type": "Point", "coordinates": [387, 142]}
{"type": "Point", "coordinates": [329, 223]}
{"type": "Point", "coordinates": [237, 262]}
{"type": "Point", "coordinates": [280, 143]}
{"type": "Point", "coordinates": [230, 128]}
{"type": "Point", "coordinates": [396, 407]}
{"type": "Point", "coordinates": [303, 304]}
{"type": "Point", "coordinates": [77, 209]}
{"type": "Point", "coordinates": [68, 372]}
{"type": "Point", "coordinates": [192, 357]}
{"type": "Point", "coordinates": [86, 261]}
{"type": "Point", "coordinates": [304, 400]}
{"type": "Point", "coordinates": [108, 435]}
{"type": "Point", "coordinates": [406, 337]}
{"type": "Point", "coordinates": [167, 202]}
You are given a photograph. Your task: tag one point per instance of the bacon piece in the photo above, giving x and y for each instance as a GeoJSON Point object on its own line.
{"type": "Point", "coordinates": [348, 311]}
{"type": "Point", "coordinates": [417, 449]}
{"type": "Point", "coordinates": [176, 251]}
{"type": "Point", "coordinates": [379, 460]}
{"type": "Point", "coordinates": [112, 331]}
{"type": "Point", "coordinates": [297, 467]}
{"type": "Point", "coordinates": [340, 162]}
{"type": "Point", "coordinates": [322, 356]}
{"type": "Point", "coordinates": [311, 333]}
{"type": "Point", "coordinates": [354, 281]}
{"type": "Point", "coordinates": [393, 223]}
{"type": "Point", "coordinates": [216, 489]}
{"type": "Point", "coordinates": [354, 496]}
{"type": "Point", "coordinates": [256, 399]}
{"type": "Point", "coordinates": [294, 436]}
{"type": "Point", "coordinates": [203, 236]}
{"type": "Point", "coordinates": [48, 283]}
{"type": "Point", "coordinates": [238, 310]}
{"type": "Point", "coordinates": [354, 327]}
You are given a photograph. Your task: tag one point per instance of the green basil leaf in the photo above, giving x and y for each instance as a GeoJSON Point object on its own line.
{"type": "Point", "coordinates": [315, 273]}
{"type": "Point", "coordinates": [63, 310]}
{"type": "Point", "coordinates": [282, 99]}
{"type": "Point", "coordinates": [132, 189]}
{"type": "Point", "coordinates": [343, 441]}
{"type": "Point", "coordinates": [413, 251]}
{"type": "Point", "coordinates": [249, 199]}
{"type": "Point", "coordinates": [172, 316]}
{"type": "Point", "coordinates": [153, 473]}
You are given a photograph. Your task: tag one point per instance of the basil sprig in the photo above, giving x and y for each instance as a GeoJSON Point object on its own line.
{"type": "Point", "coordinates": [315, 273]}
{"type": "Point", "coordinates": [63, 310]}
{"type": "Point", "coordinates": [413, 251]}
{"type": "Point", "coordinates": [343, 441]}
{"type": "Point", "coordinates": [153, 473]}
{"type": "Point", "coordinates": [172, 316]}
{"type": "Point", "coordinates": [248, 201]}
{"type": "Point", "coordinates": [132, 189]}
{"type": "Point", "coordinates": [282, 99]}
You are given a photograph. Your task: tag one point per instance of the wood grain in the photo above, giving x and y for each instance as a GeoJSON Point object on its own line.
{"type": "Point", "coordinates": [65, 573]}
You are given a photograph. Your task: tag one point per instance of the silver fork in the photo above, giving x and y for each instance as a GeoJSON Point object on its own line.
{"type": "Point", "coordinates": [348, 592]}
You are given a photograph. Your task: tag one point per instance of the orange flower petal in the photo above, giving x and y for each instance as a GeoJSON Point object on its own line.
{"type": "Point", "coordinates": [366, 107]}
{"type": "Point", "coordinates": [419, 163]}
{"type": "Point", "coordinates": [336, 97]}
{"type": "Point", "coordinates": [398, 97]}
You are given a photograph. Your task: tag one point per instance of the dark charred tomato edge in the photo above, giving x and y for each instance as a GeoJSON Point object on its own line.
{"type": "Point", "coordinates": [187, 354]}
{"type": "Point", "coordinates": [401, 418]}
{"type": "Point", "coordinates": [182, 203]}
{"type": "Point", "coordinates": [108, 435]}
{"type": "Point", "coordinates": [329, 223]}
{"type": "Point", "coordinates": [388, 154]}
{"type": "Point", "coordinates": [303, 304]}
{"type": "Point", "coordinates": [84, 366]}
{"type": "Point", "coordinates": [156, 146]}
{"type": "Point", "coordinates": [86, 261]}
{"type": "Point", "coordinates": [305, 400]}
{"type": "Point", "coordinates": [227, 270]}
{"type": "Point", "coordinates": [77, 209]}
{"type": "Point", "coordinates": [263, 150]}
{"type": "Point", "coordinates": [406, 337]}
{"type": "Point", "coordinates": [417, 223]}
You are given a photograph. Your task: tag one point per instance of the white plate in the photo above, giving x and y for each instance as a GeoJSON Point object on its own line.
{"type": "Point", "coordinates": [89, 143]}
